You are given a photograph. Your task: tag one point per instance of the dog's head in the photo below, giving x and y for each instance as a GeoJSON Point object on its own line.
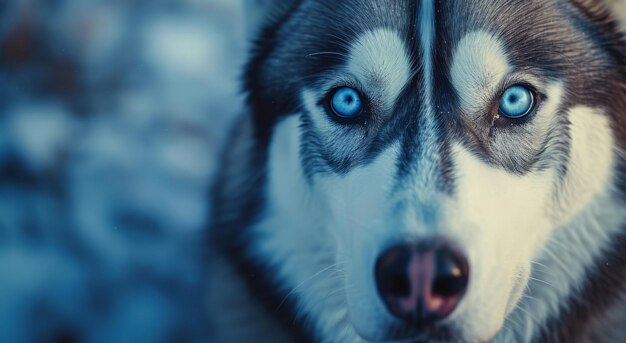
{"type": "Point", "coordinates": [427, 160]}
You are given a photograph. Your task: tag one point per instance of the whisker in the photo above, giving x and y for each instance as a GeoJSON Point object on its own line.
{"type": "Point", "coordinates": [525, 296]}
{"type": "Point", "coordinates": [514, 332]}
{"type": "Point", "coordinates": [295, 289]}
{"type": "Point", "coordinates": [558, 261]}
{"type": "Point", "coordinates": [542, 281]}
{"type": "Point", "coordinates": [326, 53]}
{"type": "Point", "coordinates": [559, 244]}
{"type": "Point", "coordinates": [530, 315]}
{"type": "Point", "coordinates": [540, 264]}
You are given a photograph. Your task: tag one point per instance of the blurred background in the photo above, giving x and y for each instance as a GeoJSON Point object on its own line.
{"type": "Point", "coordinates": [111, 116]}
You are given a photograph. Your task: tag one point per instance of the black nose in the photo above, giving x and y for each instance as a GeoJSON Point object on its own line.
{"type": "Point", "coordinates": [421, 283]}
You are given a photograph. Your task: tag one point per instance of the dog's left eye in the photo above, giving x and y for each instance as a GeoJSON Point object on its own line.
{"type": "Point", "coordinates": [346, 103]}
{"type": "Point", "coordinates": [517, 102]}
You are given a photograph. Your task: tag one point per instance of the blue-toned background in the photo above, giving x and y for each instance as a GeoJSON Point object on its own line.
{"type": "Point", "coordinates": [111, 115]}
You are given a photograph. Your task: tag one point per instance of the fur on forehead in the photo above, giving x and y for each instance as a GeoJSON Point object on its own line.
{"type": "Point", "coordinates": [287, 56]}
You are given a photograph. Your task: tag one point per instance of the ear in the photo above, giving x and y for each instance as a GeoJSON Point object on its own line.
{"type": "Point", "coordinates": [259, 13]}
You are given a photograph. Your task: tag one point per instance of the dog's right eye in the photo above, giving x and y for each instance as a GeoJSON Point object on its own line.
{"type": "Point", "coordinates": [346, 103]}
{"type": "Point", "coordinates": [517, 102]}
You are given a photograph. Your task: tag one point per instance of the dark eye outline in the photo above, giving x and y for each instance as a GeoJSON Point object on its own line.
{"type": "Point", "coordinates": [501, 119]}
{"type": "Point", "coordinates": [359, 118]}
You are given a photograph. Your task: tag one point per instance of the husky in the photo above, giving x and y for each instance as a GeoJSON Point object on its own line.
{"type": "Point", "coordinates": [425, 171]}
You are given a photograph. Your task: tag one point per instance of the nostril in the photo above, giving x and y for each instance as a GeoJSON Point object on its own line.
{"type": "Point", "coordinates": [396, 285]}
{"type": "Point", "coordinates": [391, 275]}
{"type": "Point", "coordinates": [451, 274]}
{"type": "Point", "coordinates": [448, 286]}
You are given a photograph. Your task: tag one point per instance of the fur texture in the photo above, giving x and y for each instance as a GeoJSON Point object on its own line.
{"type": "Point", "coordinates": [306, 203]}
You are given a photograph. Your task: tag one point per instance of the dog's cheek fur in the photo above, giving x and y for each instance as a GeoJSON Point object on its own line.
{"type": "Point", "coordinates": [361, 225]}
{"type": "Point", "coordinates": [585, 216]}
{"type": "Point", "coordinates": [533, 218]}
{"type": "Point", "coordinates": [292, 237]}
{"type": "Point", "coordinates": [321, 235]}
{"type": "Point", "coordinates": [590, 166]}
{"type": "Point", "coordinates": [499, 219]}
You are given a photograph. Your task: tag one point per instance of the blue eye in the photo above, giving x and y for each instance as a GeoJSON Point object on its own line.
{"type": "Point", "coordinates": [516, 102]}
{"type": "Point", "coordinates": [346, 103]}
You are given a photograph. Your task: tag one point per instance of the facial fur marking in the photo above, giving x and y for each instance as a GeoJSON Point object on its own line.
{"type": "Point", "coordinates": [478, 66]}
{"type": "Point", "coordinates": [425, 172]}
{"type": "Point", "coordinates": [379, 60]}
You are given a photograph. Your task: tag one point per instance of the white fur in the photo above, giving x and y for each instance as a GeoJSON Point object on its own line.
{"type": "Point", "coordinates": [479, 65]}
{"type": "Point", "coordinates": [303, 223]}
{"type": "Point", "coordinates": [292, 238]}
{"type": "Point", "coordinates": [585, 214]}
{"type": "Point", "coordinates": [380, 62]}
{"type": "Point", "coordinates": [496, 219]}
{"type": "Point", "coordinates": [511, 224]}
{"type": "Point", "coordinates": [505, 220]}
{"type": "Point", "coordinates": [361, 222]}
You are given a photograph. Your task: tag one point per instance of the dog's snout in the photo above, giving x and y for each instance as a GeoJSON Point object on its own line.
{"type": "Point", "coordinates": [421, 283]}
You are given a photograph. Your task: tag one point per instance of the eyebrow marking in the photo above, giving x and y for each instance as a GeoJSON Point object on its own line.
{"type": "Point", "coordinates": [380, 61]}
{"type": "Point", "coordinates": [479, 64]}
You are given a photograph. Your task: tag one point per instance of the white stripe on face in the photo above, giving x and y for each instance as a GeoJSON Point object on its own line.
{"type": "Point", "coordinates": [380, 62]}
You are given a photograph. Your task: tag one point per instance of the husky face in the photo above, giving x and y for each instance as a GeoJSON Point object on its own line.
{"type": "Point", "coordinates": [526, 204]}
